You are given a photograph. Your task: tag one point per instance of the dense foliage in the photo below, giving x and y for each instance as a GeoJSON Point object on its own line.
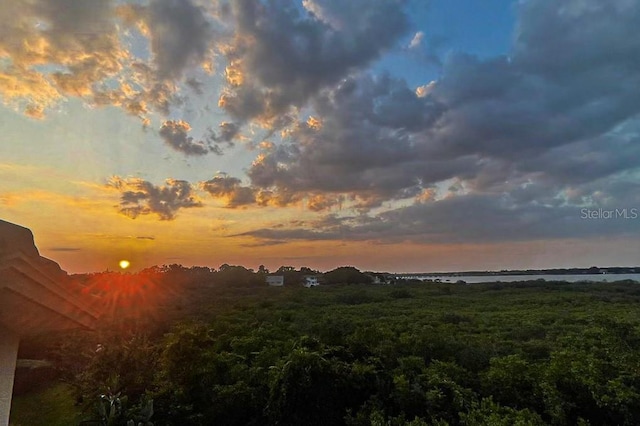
{"type": "Point", "coordinates": [408, 354]}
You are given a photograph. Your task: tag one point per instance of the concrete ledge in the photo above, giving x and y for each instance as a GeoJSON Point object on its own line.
{"type": "Point", "coordinates": [33, 299]}
{"type": "Point", "coordinates": [25, 284]}
{"type": "Point", "coordinates": [9, 342]}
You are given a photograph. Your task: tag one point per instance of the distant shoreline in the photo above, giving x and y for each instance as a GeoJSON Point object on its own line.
{"type": "Point", "coordinates": [560, 271]}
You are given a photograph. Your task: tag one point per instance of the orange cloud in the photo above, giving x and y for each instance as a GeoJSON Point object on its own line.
{"type": "Point", "coordinates": [50, 56]}
{"type": "Point", "coordinates": [51, 50]}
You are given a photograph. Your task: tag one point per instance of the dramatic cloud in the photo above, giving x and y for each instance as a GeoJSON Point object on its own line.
{"type": "Point", "coordinates": [176, 135]}
{"type": "Point", "coordinates": [56, 48]}
{"type": "Point", "coordinates": [572, 76]}
{"type": "Point", "coordinates": [493, 148]}
{"type": "Point", "coordinates": [218, 141]}
{"type": "Point", "coordinates": [485, 121]}
{"type": "Point", "coordinates": [360, 145]}
{"type": "Point", "coordinates": [227, 132]}
{"type": "Point", "coordinates": [530, 139]}
{"type": "Point", "coordinates": [180, 37]}
{"type": "Point", "coordinates": [140, 94]}
{"type": "Point", "coordinates": [140, 197]}
{"type": "Point", "coordinates": [472, 218]}
{"type": "Point", "coordinates": [231, 189]}
{"type": "Point", "coordinates": [576, 39]}
{"type": "Point", "coordinates": [179, 33]}
{"type": "Point", "coordinates": [279, 57]}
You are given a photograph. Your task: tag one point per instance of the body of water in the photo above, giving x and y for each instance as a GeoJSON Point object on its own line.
{"type": "Point", "coordinates": [514, 278]}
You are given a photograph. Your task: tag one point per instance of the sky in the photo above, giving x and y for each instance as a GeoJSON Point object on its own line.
{"type": "Point", "coordinates": [391, 135]}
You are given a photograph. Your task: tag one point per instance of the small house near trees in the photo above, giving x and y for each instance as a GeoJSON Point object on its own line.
{"type": "Point", "coordinates": [275, 280]}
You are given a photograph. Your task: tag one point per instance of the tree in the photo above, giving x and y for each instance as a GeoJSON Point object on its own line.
{"type": "Point", "coordinates": [239, 276]}
{"type": "Point", "coordinates": [307, 390]}
{"type": "Point", "coordinates": [346, 275]}
{"type": "Point", "coordinates": [308, 271]}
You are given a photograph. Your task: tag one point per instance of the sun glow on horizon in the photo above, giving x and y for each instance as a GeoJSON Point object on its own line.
{"type": "Point", "coordinates": [124, 264]}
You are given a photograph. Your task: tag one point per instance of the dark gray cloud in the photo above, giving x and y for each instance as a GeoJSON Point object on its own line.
{"type": "Point", "coordinates": [281, 57]}
{"type": "Point", "coordinates": [547, 118]}
{"type": "Point", "coordinates": [140, 197]}
{"type": "Point", "coordinates": [270, 236]}
{"type": "Point", "coordinates": [264, 244]}
{"type": "Point", "coordinates": [362, 144]}
{"type": "Point", "coordinates": [226, 133]}
{"type": "Point", "coordinates": [472, 218]}
{"type": "Point", "coordinates": [562, 41]}
{"type": "Point", "coordinates": [529, 139]}
{"type": "Point", "coordinates": [572, 76]}
{"type": "Point", "coordinates": [230, 189]}
{"type": "Point", "coordinates": [591, 159]}
{"type": "Point", "coordinates": [176, 134]}
{"type": "Point", "coordinates": [180, 35]}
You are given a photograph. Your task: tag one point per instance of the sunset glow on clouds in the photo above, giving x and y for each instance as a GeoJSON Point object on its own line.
{"type": "Point", "coordinates": [379, 133]}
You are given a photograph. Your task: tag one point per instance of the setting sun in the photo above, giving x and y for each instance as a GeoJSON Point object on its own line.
{"type": "Point", "coordinates": [124, 264]}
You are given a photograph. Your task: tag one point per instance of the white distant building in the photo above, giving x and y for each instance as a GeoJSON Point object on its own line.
{"type": "Point", "coordinates": [310, 281]}
{"type": "Point", "coordinates": [275, 280]}
{"type": "Point", "coordinates": [379, 278]}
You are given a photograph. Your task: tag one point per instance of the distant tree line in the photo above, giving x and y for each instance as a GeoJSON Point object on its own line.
{"type": "Point", "coordinates": [240, 276]}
